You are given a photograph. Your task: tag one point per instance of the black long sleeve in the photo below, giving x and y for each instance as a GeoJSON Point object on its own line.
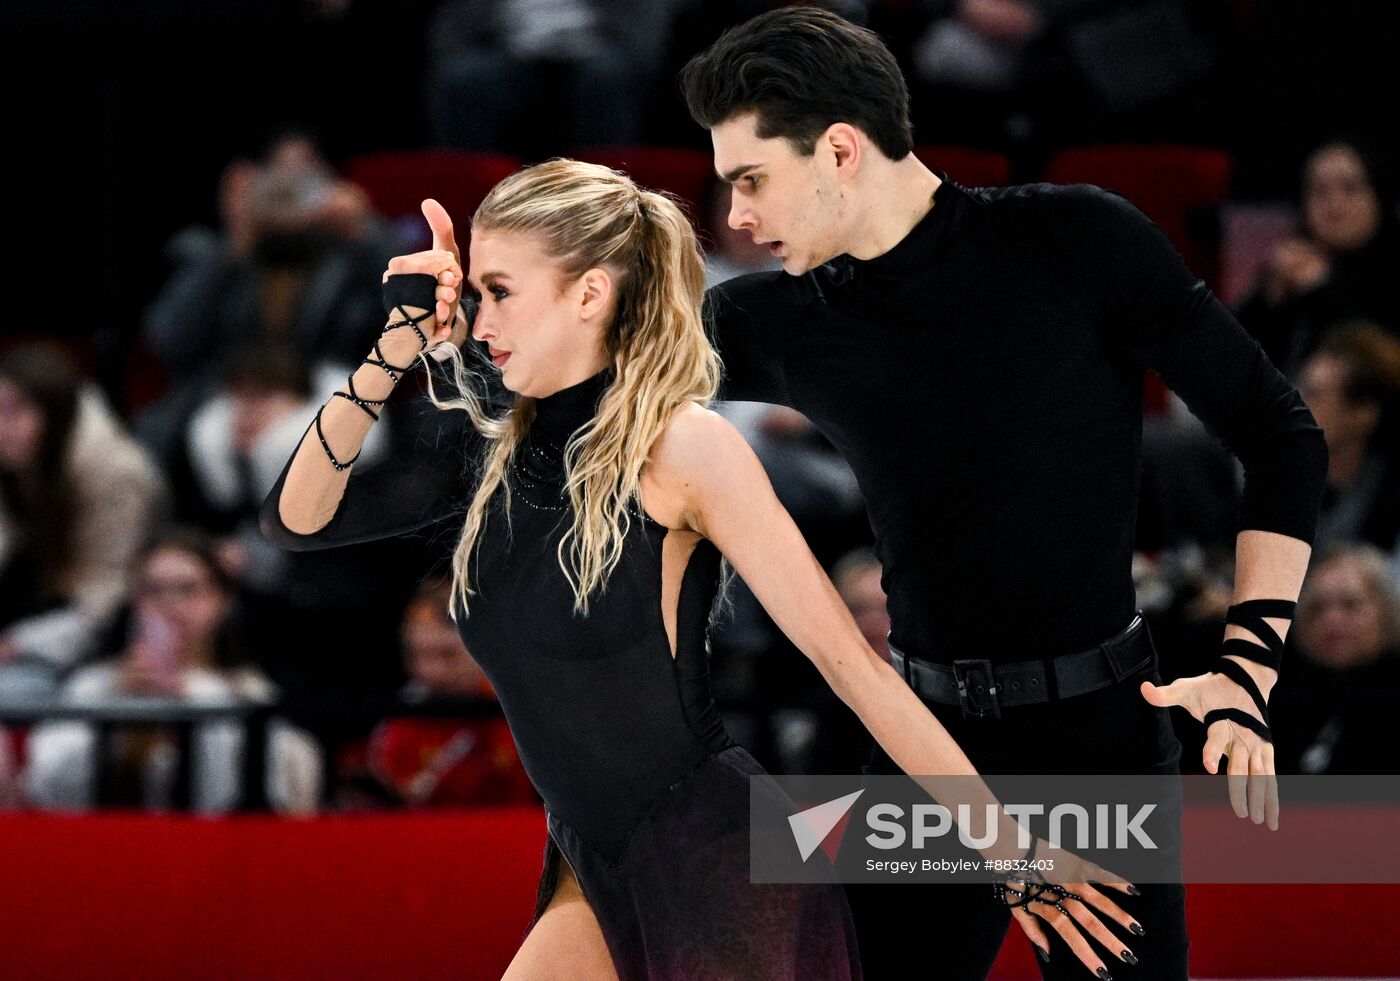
{"type": "Point", "coordinates": [411, 489]}
{"type": "Point", "coordinates": [984, 380]}
{"type": "Point", "coordinates": [1171, 323]}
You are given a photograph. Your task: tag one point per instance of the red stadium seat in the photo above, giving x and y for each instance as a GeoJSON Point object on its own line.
{"type": "Point", "coordinates": [969, 167]}
{"type": "Point", "coordinates": [397, 182]}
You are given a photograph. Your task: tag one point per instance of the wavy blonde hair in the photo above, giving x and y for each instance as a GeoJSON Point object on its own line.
{"type": "Point", "coordinates": [586, 216]}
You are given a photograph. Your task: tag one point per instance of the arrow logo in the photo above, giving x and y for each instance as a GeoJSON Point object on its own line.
{"type": "Point", "coordinates": [809, 827]}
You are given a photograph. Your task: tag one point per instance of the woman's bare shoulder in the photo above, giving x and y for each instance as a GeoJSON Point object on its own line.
{"type": "Point", "coordinates": [697, 449]}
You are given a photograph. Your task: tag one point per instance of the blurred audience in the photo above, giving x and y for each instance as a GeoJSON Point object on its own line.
{"type": "Point", "coordinates": [77, 498]}
{"type": "Point", "coordinates": [500, 70]}
{"type": "Point", "coordinates": [1333, 709]}
{"type": "Point", "coordinates": [240, 439]}
{"type": "Point", "coordinates": [1352, 385]}
{"type": "Point", "coordinates": [842, 743]}
{"type": "Point", "coordinates": [298, 260]}
{"type": "Point", "coordinates": [180, 648]}
{"type": "Point", "coordinates": [857, 577]}
{"type": "Point", "coordinates": [1008, 72]}
{"type": "Point", "coordinates": [1343, 264]}
{"type": "Point", "coordinates": [433, 762]}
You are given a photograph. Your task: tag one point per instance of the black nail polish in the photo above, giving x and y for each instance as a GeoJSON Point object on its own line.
{"type": "Point", "coordinates": [1130, 957]}
{"type": "Point", "coordinates": [1134, 890]}
{"type": "Point", "coordinates": [1103, 973]}
{"type": "Point", "coordinates": [1042, 953]}
{"type": "Point", "coordinates": [1137, 929]}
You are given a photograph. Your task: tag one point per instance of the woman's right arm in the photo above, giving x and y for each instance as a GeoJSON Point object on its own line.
{"type": "Point", "coordinates": [314, 503]}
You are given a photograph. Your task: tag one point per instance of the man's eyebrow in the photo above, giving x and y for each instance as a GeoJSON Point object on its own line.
{"type": "Point", "coordinates": [738, 172]}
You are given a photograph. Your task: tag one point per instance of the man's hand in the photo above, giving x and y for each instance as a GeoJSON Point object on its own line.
{"type": "Point", "coordinates": [1252, 782]}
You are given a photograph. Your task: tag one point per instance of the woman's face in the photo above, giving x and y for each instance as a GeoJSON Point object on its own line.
{"type": "Point", "coordinates": [21, 428]}
{"type": "Point", "coordinates": [1340, 206]}
{"type": "Point", "coordinates": [1341, 622]}
{"type": "Point", "coordinates": [179, 588]}
{"type": "Point", "coordinates": [543, 332]}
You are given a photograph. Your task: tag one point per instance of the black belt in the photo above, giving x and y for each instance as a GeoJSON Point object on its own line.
{"type": "Point", "coordinates": [983, 688]}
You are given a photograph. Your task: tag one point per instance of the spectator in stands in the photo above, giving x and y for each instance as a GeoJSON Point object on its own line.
{"type": "Point", "coordinates": [239, 440]}
{"type": "Point", "coordinates": [443, 762]}
{"type": "Point", "coordinates": [1335, 706]}
{"type": "Point", "coordinates": [293, 605]}
{"type": "Point", "coordinates": [1352, 385]}
{"type": "Point", "coordinates": [295, 261]}
{"type": "Point", "coordinates": [500, 69]}
{"type": "Point", "coordinates": [1343, 264]}
{"type": "Point", "coordinates": [77, 498]}
{"type": "Point", "coordinates": [180, 648]}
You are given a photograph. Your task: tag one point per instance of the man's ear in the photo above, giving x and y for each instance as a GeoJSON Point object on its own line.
{"type": "Point", "coordinates": [843, 141]}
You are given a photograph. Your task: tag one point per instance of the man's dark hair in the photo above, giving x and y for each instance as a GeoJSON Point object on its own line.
{"type": "Point", "coordinates": [801, 69]}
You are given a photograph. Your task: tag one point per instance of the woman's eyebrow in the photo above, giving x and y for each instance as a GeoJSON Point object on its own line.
{"type": "Point", "coordinates": [486, 279]}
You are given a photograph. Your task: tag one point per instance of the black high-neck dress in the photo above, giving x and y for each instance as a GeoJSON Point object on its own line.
{"type": "Point", "coordinates": [647, 796]}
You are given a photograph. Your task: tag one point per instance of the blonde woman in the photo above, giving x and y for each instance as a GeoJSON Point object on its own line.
{"type": "Point", "coordinates": [597, 507]}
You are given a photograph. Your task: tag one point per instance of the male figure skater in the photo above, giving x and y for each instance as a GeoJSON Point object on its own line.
{"type": "Point", "coordinates": [978, 357]}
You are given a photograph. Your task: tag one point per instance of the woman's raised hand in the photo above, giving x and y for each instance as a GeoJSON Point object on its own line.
{"type": "Point", "coordinates": [443, 262]}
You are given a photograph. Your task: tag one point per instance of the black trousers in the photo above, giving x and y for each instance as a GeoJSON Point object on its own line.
{"type": "Point", "coordinates": [954, 932]}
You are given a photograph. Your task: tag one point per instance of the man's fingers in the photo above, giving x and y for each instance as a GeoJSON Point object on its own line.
{"type": "Point", "coordinates": [1164, 696]}
{"type": "Point", "coordinates": [1271, 800]}
{"type": "Point", "coordinates": [1237, 777]}
{"type": "Point", "coordinates": [1217, 742]}
{"type": "Point", "coordinates": [441, 224]}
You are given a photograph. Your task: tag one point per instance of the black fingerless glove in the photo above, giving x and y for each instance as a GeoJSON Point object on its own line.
{"type": "Point", "coordinates": [410, 290]}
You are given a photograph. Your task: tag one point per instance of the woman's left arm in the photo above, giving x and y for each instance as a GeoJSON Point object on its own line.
{"type": "Point", "coordinates": [714, 483]}
{"type": "Point", "coordinates": [703, 476]}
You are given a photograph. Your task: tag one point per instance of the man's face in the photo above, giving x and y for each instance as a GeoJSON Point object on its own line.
{"type": "Point", "coordinates": [791, 203]}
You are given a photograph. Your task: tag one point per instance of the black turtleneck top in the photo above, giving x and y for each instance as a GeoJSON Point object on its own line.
{"type": "Point", "coordinates": [605, 718]}
{"type": "Point", "coordinates": [984, 380]}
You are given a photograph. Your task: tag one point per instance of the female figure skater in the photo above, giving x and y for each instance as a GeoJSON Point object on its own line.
{"type": "Point", "coordinates": [597, 509]}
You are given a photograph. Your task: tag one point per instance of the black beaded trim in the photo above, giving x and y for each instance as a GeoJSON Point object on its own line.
{"type": "Point", "coordinates": [334, 462]}
{"type": "Point", "coordinates": [408, 321]}
{"type": "Point", "coordinates": [363, 403]}
{"type": "Point", "coordinates": [1034, 886]}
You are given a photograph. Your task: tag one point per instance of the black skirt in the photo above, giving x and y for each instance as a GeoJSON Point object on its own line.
{"type": "Point", "coordinates": [679, 904]}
